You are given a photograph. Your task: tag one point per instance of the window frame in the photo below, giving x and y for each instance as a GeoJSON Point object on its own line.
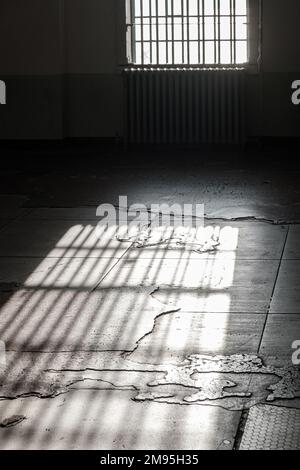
{"type": "Point", "coordinates": [253, 43]}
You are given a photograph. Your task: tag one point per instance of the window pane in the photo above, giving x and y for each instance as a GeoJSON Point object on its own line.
{"type": "Point", "coordinates": [241, 28]}
{"type": "Point", "coordinates": [225, 28]}
{"type": "Point", "coordinates": [185, 52]}
{"type": "Point", "coordinates": [164, 27]}
{"type": "Point", "coordinates": [209, 53]}
{"type": "Point", "coordinates": [209, 7]}
{"type": "Point", "coordinates": [138, 53]}
{"type": "Point", "coordinates": [209, 31]}
{"type": "Point", "coordinates": [170, 53]}
{"type": "Point", "coordinates": [145, 7]}
{"type": "Point", "coordinates": [193, 29]}
{"type": "Point", "coordinates": [146, 30]}
{"type": "Point", "coordinates": [153, 7]}
{"type": "Point", "coordinates": [224, 7]}
{"type": "Point", "coordinates": [178, 53]}
{"type": "Point", "coordinates": [178, 32]}
{"type": "Point", "coordinates": [138, 33]}
{"type": "Point", "coordinates": [193, 7]}
{"type": "Point", "coordinates": [177, 7]}
{"type": "Point", "coordinates": [137, 7]}
{"type": "Point", "coordinates": [161, 8]}
{"type": "Point", "coordinates": [147, 53]}
{"type": "Point", "coordinates": [241, 7]}
{"type": "Point", "coordinates": [241, 52]}
{"type": "Point", "coordinates": [225, 52]}
{"type": "Point", "coordinates": [162, 53]}
{"type": "Point", "coordinates": [154, 31]}
{"type": "Point", "coordinates": [194, 52]}
{"type": "Point", "coordinates": [154, 53]}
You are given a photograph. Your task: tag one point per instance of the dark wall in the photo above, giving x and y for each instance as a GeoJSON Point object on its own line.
{"type": "Point", "coordinates": [280, 66]}
{"type": "Point", "coordinates": [31, 58]}
{"type": "Point", "coordinates": [61, 62]}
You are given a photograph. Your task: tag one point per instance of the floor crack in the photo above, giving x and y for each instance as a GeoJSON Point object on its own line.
{"type": "Point", "coordinates": [125, 355]}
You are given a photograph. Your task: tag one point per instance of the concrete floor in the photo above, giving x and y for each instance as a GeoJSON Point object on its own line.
{"type": "Point", "coordinates": [109, 344]}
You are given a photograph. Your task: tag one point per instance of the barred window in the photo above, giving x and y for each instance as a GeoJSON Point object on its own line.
{"type": "Point", "coordinates": [187, 32]}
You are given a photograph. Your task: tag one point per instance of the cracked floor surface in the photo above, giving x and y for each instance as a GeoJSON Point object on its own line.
{"type": "Point", "coordinates": [162, 341]}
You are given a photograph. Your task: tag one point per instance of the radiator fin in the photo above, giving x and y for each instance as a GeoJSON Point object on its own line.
{"type": "Point", "coordinates": [185, 106]}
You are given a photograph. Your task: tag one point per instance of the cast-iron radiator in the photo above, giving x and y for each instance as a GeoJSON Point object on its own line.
{"type": "Point", "coordinates": [185, 106]}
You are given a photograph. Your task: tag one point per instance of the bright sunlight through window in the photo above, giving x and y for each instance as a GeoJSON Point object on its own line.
{"type": "Point", "coordinates": [187, 32]}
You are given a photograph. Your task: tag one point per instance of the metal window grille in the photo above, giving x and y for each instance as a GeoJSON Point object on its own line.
{"type": "Point", "coordinates": [187, 32]}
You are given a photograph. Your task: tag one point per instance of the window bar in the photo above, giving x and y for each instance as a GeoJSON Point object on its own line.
{"type": "Point", "coordinates": [142, 32]}
{"type": "Point", "coordinates": [215, 32]}
{"type": "Point", "coordinates": [167, 35]}
{"type": "Point", "coordinates": [231, 30]}
{"type": "Point", "coordinates": [157, 34]}
{"type": "Point", "coordinates": [198, 20]}
{"type": "Point", "coordinates": [182, 31]}
{"type": "Point", "coordinates": [247, 29]}
{"type": "Point", "coordinates": [150, 32]}
{"type": "Point", "coordinates": [247, 19]}
{"type": "Point", "coordinates": [188, 30]}
{"type": "Point", "coordinates": [234, 30]}
{"type": "Point", "coordinates": [203, 33]}
{"type": "Point", "coordinates": [132, 33]}
{"type": "Point", "coordinates": [219, 32]}
{"type": "Point", "coordinates": [173, 35]}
